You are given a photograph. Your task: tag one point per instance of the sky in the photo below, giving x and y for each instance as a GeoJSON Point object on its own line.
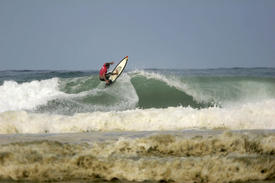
{"type": "Point", "coordinates": [174, 34]}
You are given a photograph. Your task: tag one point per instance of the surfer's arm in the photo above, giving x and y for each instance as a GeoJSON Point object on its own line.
{"type": "Point", "coordinates": [110, 63]}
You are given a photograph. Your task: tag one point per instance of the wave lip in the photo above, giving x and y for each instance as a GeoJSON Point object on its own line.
{"type": "Point", "coordinates": [249, 116]}
{"type": "Point", "coordinates": [28, 95]}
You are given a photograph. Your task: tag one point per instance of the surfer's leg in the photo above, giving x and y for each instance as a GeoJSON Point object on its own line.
{"type": "Point", "coordinates": [110, 82]}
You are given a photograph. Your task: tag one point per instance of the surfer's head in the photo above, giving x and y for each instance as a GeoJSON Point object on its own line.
{"type": "Point", "coordinates": [107, 65]}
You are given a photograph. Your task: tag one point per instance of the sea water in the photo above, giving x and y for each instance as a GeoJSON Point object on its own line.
{"type": "Point", "coordinates": [209, 125]}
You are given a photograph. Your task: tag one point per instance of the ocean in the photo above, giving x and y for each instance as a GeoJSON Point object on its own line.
{"type": "Point", "coordinates": [151, 125]}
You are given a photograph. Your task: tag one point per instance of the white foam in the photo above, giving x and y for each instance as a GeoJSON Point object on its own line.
{"type": "Point", "coordinates": [28, 95]}
{"type": "Point", "coordinates": [259, 115]}
{"type": "Point", "coordinates": [123, 93]}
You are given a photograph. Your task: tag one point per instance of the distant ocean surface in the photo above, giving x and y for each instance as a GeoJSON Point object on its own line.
{"type": "Point", "coordinates": [153, 125]}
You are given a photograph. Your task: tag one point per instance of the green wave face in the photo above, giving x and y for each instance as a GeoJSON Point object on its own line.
{"type": "Point", "coordinates": [228, 90]}
{"type": "Point", "coordinates": [153, 93]}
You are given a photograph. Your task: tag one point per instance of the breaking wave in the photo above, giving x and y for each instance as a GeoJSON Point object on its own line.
{"type": "Point", "coordinates": [225, 158]}
{"type": "Point", "coordinates": [249, 116]}
{"type": "Point", "coordinates": [135, 89]}
{"type": "Point", "coordinates": [138, 101]}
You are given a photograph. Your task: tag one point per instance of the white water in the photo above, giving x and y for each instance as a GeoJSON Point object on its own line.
{"type": "Point", "coordinates": [259, 115]}
{"type": "Point", "coordinates": [120, 96]}
{"type": "Point", "coordinates": [31, 95]}
{"type": "Point", "coordinates": [28, 95]}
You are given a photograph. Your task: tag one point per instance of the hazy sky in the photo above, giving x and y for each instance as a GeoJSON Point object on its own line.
{"type": "Point", "coordinates": [83, 34]}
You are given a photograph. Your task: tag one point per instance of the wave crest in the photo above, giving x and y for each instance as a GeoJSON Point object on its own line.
{"type": "Point", "coordinates": [28, 95]}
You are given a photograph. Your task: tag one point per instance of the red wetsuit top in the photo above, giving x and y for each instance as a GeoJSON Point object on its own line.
{"type": "Point", "coordinates": [103, 70]}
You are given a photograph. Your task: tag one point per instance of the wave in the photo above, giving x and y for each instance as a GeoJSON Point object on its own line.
{"type": "Point", "coordinates": [248, 116]}
{"type": "Point", "coordinates": [67, 96]}
{"type": "Point", "coordinates": [224, 158]}
{"type": "Point", "coordinates": [88, 94]}
{"type": "Point", "coordinates": [205, 91]}
{"type": "Point", "coordinates": [158, 90]}
{"type": "Point", "coordinates": [136, 89]}
{"type": "Point", "coordinates": [27, 95]}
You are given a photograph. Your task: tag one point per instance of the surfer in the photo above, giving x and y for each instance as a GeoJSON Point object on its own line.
{"type": "Point", "coordinates": [103, 75]}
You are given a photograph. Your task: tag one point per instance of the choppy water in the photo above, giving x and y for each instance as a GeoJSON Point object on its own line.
{"type": "Point", "coordinates": [214, 125]}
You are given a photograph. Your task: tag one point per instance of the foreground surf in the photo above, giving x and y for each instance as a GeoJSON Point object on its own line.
{"type": "Point", "coordinates": [224, 158]}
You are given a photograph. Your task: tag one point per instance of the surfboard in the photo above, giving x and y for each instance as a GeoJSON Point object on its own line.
{"type": "Point", "coordinates": [119, 68]}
